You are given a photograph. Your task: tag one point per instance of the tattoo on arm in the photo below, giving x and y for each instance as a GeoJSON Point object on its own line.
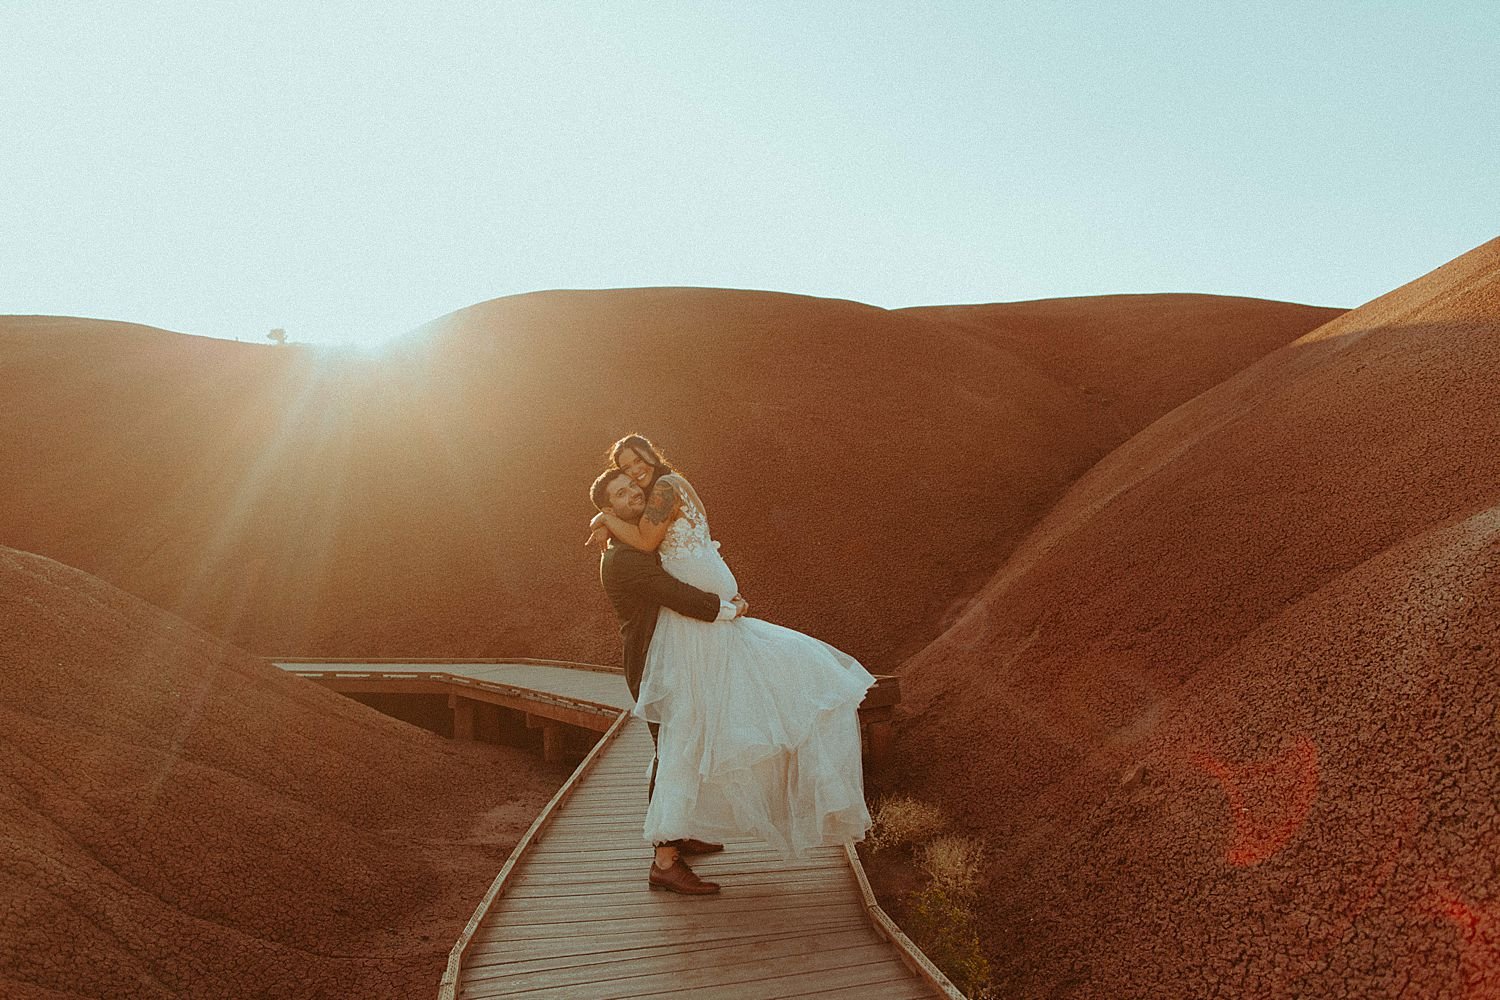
{"type": "Point", "coordinates": [661, 503]}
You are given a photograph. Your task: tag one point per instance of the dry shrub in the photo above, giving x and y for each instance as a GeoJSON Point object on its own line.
{"type": "Point", "coordinates": [943, 921]}
{"type": "Point", "coordinates": [899, 820]}
{"type": "Point", "coordinates": [940, 917]}
{"type": "Point", "coordinates": [945, 929]}
{"type": "Point", "coordinates": [954, 864]}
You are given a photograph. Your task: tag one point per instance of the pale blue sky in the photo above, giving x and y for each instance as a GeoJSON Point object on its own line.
{"type": "Point", "coordinates": [350, 171]}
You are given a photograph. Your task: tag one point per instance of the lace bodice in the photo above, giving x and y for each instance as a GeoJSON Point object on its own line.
{"type": "Point", "coordinates": [687, 536]}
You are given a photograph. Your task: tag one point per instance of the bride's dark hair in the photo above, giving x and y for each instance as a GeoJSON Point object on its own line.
{"type": "Point", "coordinates": [644, 448]}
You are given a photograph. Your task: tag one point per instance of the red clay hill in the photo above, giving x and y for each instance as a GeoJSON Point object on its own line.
{"type": "Point", "coordinates": [1227, 715]}
{"type": "Point", "coordinates": [866, 470]}
{"type": "Point", "coordinates": [182, 819]}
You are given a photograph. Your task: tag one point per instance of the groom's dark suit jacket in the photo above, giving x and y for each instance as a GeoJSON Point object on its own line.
{"type": "Point", "coordinates": [638, 588]}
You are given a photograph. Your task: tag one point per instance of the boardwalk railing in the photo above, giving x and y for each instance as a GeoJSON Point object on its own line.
{"type": "Point", "coordinates": [545, 709]}
{"type": "Point", "coordinates": [914, 957]}
{"type": "Point", "coordinates": [449, 986]}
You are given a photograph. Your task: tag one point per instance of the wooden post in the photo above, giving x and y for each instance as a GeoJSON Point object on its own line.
{"type": "Point", "coordinates": [878, 741]}
{"type": "Point", "coordinates": [463, 717]}
{"type": "Point", "coordinates": [554, 736]}
{"type": "Point", "coordinates": [553, 742]}
{"type": "Point", "coordinates": [512, 727]}
{"type": "Point", "coordinates": [487, 722]}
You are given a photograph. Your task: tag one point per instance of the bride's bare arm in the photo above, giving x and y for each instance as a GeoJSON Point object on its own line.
{"type": "Point", "coordinates": [661, 507]}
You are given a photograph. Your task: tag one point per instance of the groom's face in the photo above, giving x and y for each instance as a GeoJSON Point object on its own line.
{"type": "Point", "coordinates": [627, 501]}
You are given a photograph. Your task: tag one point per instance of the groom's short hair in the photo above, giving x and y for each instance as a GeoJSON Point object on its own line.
{"type": "Point", "coordinates": [599, 492]}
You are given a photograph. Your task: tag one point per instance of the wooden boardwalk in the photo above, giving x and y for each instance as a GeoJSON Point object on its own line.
{"type": "Point", "coordinates": [571, 916]}
{"type": "Point", "coordinates": [575, 918]}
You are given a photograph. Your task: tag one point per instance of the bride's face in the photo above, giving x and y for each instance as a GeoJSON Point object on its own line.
{"type": "Point", "coordinates": [636, 467]}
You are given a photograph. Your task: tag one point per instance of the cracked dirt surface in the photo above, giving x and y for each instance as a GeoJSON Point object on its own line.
{"type": "Point", "coordinates": [1228, 714]}
{"type": "Point", "coordinates": [182, 819]}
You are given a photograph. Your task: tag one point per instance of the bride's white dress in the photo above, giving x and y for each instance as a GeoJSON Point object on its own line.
{"type": "Point", "coordinates": [759, 728]}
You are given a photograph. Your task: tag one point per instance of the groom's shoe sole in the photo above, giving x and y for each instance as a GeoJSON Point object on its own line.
{"type": "Point", "coordinates": [688, 892]}
{"type": "Point", "coordinates": [680, 878]}
{"type": "Point", "coordinates": [695, 846]}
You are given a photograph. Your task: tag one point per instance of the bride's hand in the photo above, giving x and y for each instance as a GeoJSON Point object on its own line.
{"type": "Point", "coordinates": [598, 534]}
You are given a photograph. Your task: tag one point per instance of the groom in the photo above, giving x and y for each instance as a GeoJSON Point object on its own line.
{"type": "Point", "coordinates": [638, 588]}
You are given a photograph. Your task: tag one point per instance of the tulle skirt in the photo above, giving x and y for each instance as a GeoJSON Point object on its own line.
{"type": "Point", "coordinates": [759, 728]}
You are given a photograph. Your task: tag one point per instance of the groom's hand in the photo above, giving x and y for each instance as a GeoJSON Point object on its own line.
{"type": "Point", "coordinates": [742, 606]}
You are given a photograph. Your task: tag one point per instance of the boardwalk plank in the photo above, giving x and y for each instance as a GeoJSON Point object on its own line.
{"type": "Point", "coordinates": [857, 977]}
{"type": "Point", "coordinates": [581, 886]}
{"type": "Point", "coordinates": [597, 799]}
{"type": "Point", "coordinates": [685, 972]}
{"type": "Point", "coordinates": [634, 784]}
{"type": "Point", "coordinates": [636, 871]}
{"type": "Point", "coordinates": [565, 858]}
{"type": "Point", "coordinates": [507, 925]}
{"type": "Point", "coordinates": [751, 913]}
{"type": "Point", "coordinates": [614, 869]}
{"type": "Point", "coordinates": [563, 862]}
{"type": "Point", "coordinates": [611, 905]}
{"type": "Point", "coordinates": [726, 859]}
{"type": "Point", "coordinates": [618, 817]}
{"type": "Point", "coordinates": [583, 894]}
{"type": "Point", "coordinates": [646, 961]}
{"type": "Point", "coordinates": [591, 884]}
{"type": "Point", "coordinates": [632, 815]}
{"type": "Point", "coordinates": [634, 799]}
{"type": "Point", "coordinates": [620, 831]}
{"type": "Point", "coordinates": [907, 987]}
{"type": "Point", "coordinates": [582, 837]}
{"type": "Point", "coordinates": [766, 861]}
{"type": "Point", "coordinates": [601, 808]}
{"type": "Point", "coordinates": [639, 868]}
{"type": "Point", "coordinates": [572, 945]}
{"type": "Point", "coordinates": [747, 852]}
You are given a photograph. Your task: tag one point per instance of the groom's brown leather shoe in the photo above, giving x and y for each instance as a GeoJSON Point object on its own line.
{"type": "Point", "coordinates": [680, 878]}
{"type": "Point", "coordinates": [693, 845]}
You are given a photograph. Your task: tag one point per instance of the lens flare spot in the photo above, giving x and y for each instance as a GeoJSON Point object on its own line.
{"type": "Point", "coordinates": [1479, 935]}
{"type": "Point", "coordinates": [1268, 800]}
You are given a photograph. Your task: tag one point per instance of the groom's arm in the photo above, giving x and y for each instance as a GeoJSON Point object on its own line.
{"type": "Point", "coordinates": [645, 577]}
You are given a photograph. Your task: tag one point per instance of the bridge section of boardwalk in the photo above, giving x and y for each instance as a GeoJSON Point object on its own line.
{"type": "Point", "coordinates": [571, 916]}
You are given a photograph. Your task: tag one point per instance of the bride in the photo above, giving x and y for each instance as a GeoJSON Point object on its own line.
{"type": "Point", "coordinates": [759, 728]}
